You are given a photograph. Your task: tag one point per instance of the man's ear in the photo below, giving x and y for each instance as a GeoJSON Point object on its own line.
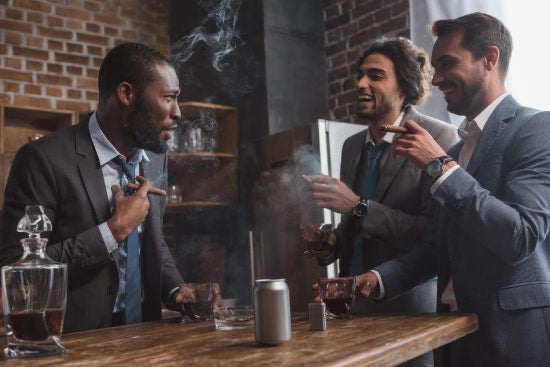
{"type": "Point", "coordinates": [126, 94]}
{"type": "Point", "coordinates": [491, 57]}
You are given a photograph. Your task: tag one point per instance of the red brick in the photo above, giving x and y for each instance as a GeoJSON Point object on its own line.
{"type": "Point", "coordinates": [348, 97]}
{"type": "Point", "coordinates": [3, 49]}
{"type": "Point", "coordinates": [393, 25]}
{"type": "Point", "coordinates": [54, 91]}
{"type": "Point", "coordinates": [339, 113]}
{"type": "Point", "coordinates": [401, 7]}
{"type": "Point", "coordinates": [92, 5]}
{"type": "Point", "coordinates": [366, 8]}
{"type": "Point", "coordinates": [94, 50]}
{"type": "Point", "coordinates": [54, 79]}
{"type": "Point", "coordinates": [332, 11]}
{"type": "Point", "coordinates": [11, 87]}
{"type": "Point", "coordinates": [31, 53]}
{"type": "Point", "coordinates": [13, 38]}
{"type": "Point", "coordinates": [335, 48]}
{"type": "Point", "coordinates": [74, 47]}
{"type": "Point", "coordinates": [74, 70]}
{"type": "Point", "coordinates": [93, 28]}
{"type": "Point", "coordinates": [128, 3]}
{"type": "Point", "coordinates": [34, 65]}
{"type": "Point", "coordinates": [75, 25]}
{"type": "Point", "coordinates": [115, 21]}
{"type": "Point", "coordinates": [14, 14]}
{"type": "Point", "coordinates": [337, 60]}
{"type": "Point", "coordinates": [86, 83]}
{"type": "Point", "coordinates": [349, 84]}
{"type": "Point", "coordinates": [72, 13]}
{"type": "Point", "coordinates": [96, 61]}
{"type": "Point", "coordinates": [35, 42]}
{"type": "Point", "coordinates": [366, 22]}
{"type": "Point", "coordinates": [128, 13]}
{"type": "Point", "coordinates": [73, 106]}
{"type": "Point", "coordinates": [94, 96]}
{"type": "Point", "coordinates": [55, 33]}
{"type": "Point", "coordinates": [129, 34]}
{"type": "Point", "coordinates": [74, 94]}
{"type": "Point", "coordinates": [364, 37]}
{"type": "Point", "coordinates": [11, 62]}
{"type": "Point", "coordinates": [334, 88]}
{"type": "Point", "coordinates": [55, 68]}
{"type": "Point", "coordinates": [41, 6]}
{"type": "Point", "coordinates": [55, 45]}
{"type": "Point", "coordinates": [32, 89]}
{"type": "Point", "coordinates": [339, 73]}
{"type": "Point", "coordinates": [5, 98]}
{"type": "Point", "coordinates": [90, 38]}
{"type": "Point", "coordinates": [72, 59]}
{"type": "Point", "coordinates": [35, 17]}
{"type": "Point", "coordinates": [110, 31]}
{"type": "Point", "coordinates": [92, 73]}
{"type": "Point", "coordinates": [55, 22]}
{"type": "Point", "coordinates": [381, 15]}
{"type": "Point", "coordinates": [15, 26]}
{"type": "Point", "coordinates": [39, 102]}
{"type": "Point", "coordinates": [75, 3]}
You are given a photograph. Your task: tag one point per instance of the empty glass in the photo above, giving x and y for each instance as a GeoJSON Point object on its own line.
{"type": "Point", "coordinates": [338, 294]}
{"type": "Point", "coordinates": [234, 317]}
{"type": "Point", "coordinates": [199, 301]}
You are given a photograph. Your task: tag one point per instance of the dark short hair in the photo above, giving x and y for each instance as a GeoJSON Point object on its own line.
{"type": "Point", "coordinates": [411, 64]}
{"type": "Point", "coordinates": [480, 31]}
{"type": "Point", "coordinates": [128, 62]}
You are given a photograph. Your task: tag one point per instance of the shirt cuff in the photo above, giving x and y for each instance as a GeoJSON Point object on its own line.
{"type": "Point", "coordinates": [380, 285]}
{"type": "Point", "coordinates": [108, 239]}
{"type": "Point", "coordinates": [443, 177]}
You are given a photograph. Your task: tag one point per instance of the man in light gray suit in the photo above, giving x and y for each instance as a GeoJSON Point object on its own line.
{"type": "Point", "coordinates": [490, 246]}
{"type": "Point", "coordinates": [387, 219]}
{"type": "Point", "coordinates": [77, 174]}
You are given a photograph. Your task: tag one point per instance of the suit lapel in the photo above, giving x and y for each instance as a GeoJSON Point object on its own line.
{"type": "Point", "coordinates": [494, 126]}
{"type": "Point", "coordinates": [350, 168]}
{"type": "Point", "coordinates": [90, 173]}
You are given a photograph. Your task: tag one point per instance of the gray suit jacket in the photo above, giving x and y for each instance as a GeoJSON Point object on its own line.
{"type": "Point", "coordinates": [400, 208]}
{"type": "Point", "coordinates": [61, 172]}
{"type": "Point", "coordinates": [492, 238]}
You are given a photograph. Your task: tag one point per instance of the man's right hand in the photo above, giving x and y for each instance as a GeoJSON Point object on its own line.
{"type": "Point", "coordinates": [315, 240]}
{"type": "Point", "coordinates": [129, 211]}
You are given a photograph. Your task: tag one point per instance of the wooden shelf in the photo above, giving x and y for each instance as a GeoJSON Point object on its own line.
{"type": "Point", "coordinates": [201, 155]}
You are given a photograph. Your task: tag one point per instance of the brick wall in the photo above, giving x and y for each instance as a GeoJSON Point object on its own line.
{"type": "Point", "coordinates": [349, 25]}
{"type": "Point", "coordinates": [50, 51]}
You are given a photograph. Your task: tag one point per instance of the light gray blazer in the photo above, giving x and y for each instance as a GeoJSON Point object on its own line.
{"type": "Point", "coordinates": [492, 238]}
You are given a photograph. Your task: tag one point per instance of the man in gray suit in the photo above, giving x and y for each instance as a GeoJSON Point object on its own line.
{"type": "Point", "coordinates": [77, 174]}
{"type": "Point", "coordinates": [490, 246]}
{"type": "Point", "coordinates": [385, 222]}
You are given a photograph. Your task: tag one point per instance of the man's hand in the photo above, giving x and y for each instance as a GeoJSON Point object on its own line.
{"type": "Point", "coordinates": [366, 285]}
{"type": "Point", "coordinates": [418, 145]}
{"type": "Point", "coordinates": [315, 240]}
{"type": "Point", "coordinates": [333, 194]}
{"type": "Point", "coordinates": [129, 211]}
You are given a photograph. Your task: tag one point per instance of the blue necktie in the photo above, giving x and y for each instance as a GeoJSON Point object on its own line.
{"type": "Point", "coordinates": [368, 189]}
{"type": "Point", "coordinates": [133, 273]}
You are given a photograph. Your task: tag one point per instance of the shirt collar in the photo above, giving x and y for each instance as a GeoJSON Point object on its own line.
{"type": "Point", "coordinates": [481, 120]}
{"type": "Point", "coordinates": [106, 152]}
{"type": "Point", "coordinates": [388, 137]}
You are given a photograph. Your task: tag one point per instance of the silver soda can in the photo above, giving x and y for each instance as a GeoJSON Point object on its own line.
{"type": "Point", "coordinates": [271, 311]}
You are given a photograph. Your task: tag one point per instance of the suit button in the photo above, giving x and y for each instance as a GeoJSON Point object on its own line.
{"type": "Point", "coordinates": [111, 289]}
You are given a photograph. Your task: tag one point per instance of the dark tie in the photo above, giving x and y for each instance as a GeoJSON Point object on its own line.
{"type": "Point", "coordinates": [368, 189]}
{"type": "Point", "coordinates": [133, 274]}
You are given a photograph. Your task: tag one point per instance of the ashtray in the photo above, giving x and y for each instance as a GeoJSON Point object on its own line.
{"type": "Point", "coordinates": [234, 317]}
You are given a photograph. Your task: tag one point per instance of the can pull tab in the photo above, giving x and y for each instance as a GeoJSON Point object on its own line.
{"type": "Point", "coordinates": [317, 316]}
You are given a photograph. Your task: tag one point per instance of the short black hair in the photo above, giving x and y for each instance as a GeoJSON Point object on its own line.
{"type": "Point", "coordinates": [128, 62]}
{"type": "Point", "coordinates": [411, 63]}
{"type": "Point", "coordinates": [480, 31]}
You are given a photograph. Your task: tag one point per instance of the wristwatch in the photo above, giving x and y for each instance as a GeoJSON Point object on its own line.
{"type": "Point", "coordinates": [360, 209]}
{"type": "Point", "coordinates": [435, 166]}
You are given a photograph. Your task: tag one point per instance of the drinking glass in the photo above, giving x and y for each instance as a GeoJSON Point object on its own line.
{"type": "Point", "coordinates": [199, 301]}
{"type": "Point", "coordinates": [338, 295]}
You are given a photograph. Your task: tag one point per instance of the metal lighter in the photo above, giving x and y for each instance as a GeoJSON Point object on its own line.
{"type": "Point", "coordinates": [317, 317]}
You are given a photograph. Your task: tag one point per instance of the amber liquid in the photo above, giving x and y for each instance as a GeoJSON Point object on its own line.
{"type": "Point", "coordinates": [338, 306]}
{"type": "Point", "coordinates": [36, 325]}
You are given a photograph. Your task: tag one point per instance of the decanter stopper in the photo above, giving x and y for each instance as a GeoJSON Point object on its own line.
{"type": "Point", "coordinates": [34, 222]}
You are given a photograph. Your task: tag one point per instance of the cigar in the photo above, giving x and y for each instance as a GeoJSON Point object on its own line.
{"type": "Point", "coordinates": [393, 129]}
{"type": "Point", "coordinates": [152, 190]}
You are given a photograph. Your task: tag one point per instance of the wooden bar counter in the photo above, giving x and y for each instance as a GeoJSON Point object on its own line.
{"type": "Point", "coordinates": [369, 340]}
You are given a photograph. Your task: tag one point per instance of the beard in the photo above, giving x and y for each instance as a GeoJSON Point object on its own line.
{"type": "Point", "coordinates": [469, 93]}
{"type": "Point", "coordinates": [142, 129]}
{"type": "Point", "coordinates": [378, 112]}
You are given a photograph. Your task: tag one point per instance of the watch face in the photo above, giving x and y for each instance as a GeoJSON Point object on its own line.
{"type": "Point", "coordinates": [360, 209]}
{"type": "Point", "coordinates": [434, 168]}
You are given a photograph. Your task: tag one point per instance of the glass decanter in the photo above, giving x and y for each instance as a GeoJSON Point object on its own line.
{"type": "Point", "coordinates": [34, 292]}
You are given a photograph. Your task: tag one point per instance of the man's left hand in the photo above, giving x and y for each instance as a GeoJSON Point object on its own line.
{"type": "Point", "coordinates": [418, 145]}
{"type": "Point", "coordinates": [333, 194]}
